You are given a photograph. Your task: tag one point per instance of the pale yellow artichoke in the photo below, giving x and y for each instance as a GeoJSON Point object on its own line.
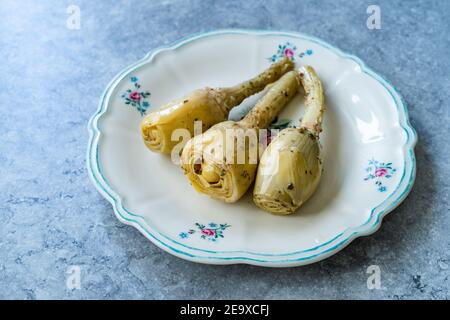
{"type": "Point", "coordinates": [222, 162]}
{"type": "Point", "coordinates": [290, 168]}
{"type": "Point", "coordinates": [208, 105]}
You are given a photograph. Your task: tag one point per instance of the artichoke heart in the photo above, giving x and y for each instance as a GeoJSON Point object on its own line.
{"type": "Point", "coordinates": [290, 168]}
{"type": "Point", "coordinates": [222, 162]}
{"type": "Point", "coordinates": [214, 172]}
{"type": "Point", "coordinates": [208, 105]}
{"type": "Point", "coordinates": [157, 127]}
{"type": "Point", "coordinates": [289, 172]}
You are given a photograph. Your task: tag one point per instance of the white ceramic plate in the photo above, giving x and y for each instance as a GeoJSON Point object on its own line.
{"type": "Point", "coordinates": [368, 153]}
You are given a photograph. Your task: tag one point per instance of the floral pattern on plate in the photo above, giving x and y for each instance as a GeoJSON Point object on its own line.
{"type": "Point", "coordinates": [211, 232]}
{"type": "Point", "coordinates": [378, 172]}
{"type": "Point", "coordinates": [136, 98]}
{"type": "Point", "coordinates": [288, 49]}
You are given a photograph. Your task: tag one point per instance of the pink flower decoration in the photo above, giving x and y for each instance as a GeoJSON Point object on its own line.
{"type": "Point", "coordinates": [208, 232]}
{"type": "Point", "coordinates": [380, 172]}
{"type": "Point", "coordinates": [289, 52]}
{"type": "Point", "coordinates": [136, 96]}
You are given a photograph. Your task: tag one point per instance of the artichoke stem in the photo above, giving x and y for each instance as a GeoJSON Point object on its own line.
{"type": "Point", "coordinates": [314, 101]}
{"type": "Point", "coordinates": [238, 93]}
{"type": "Point", "coordinates": [280, 93]}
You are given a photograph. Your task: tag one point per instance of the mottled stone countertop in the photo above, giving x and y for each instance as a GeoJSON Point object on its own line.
{"type": "Point", "coordinates": [51, 79]}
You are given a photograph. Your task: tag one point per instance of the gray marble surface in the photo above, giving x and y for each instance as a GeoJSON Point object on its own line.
{"type": "Point", "coordinates": [51, 79]}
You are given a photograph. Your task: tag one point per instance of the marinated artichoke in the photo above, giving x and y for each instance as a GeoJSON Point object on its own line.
{"type": "Point", "coordinates": [208, 105]}
{"type": "Point", "coordinates": [290, 168]}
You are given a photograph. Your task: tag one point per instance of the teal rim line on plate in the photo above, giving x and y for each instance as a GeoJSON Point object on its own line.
{"type": "Point", "coordinates": [102, 184]}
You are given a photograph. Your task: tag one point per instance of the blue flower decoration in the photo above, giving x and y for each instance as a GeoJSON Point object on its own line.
{"type": "Point", "coordinates": [309, 52]}
{"type": "Point", "coordinates": [382, 189]}
{"type": "Point", "coordinates": [183, 235]}
{"type": "Point", "coordinates": [145, 104]}
{"type": "Point", "coordinates": [212, 225]}
{"type": "Point", "coordinates": [134, 79]}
